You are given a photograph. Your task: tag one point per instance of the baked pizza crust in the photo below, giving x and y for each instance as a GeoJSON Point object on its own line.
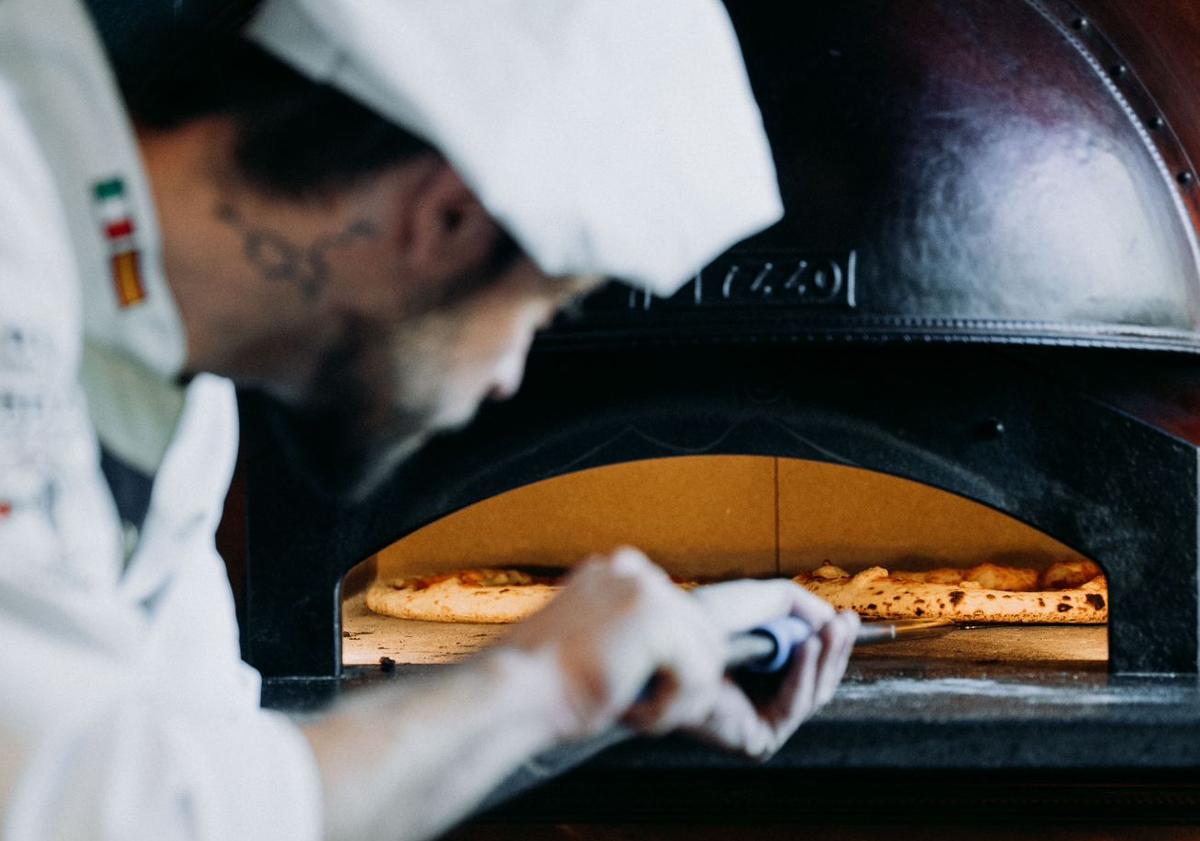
{"type": "Point", "coordinates": [960, 594]}
{"type": "Point", "coordinates": [487, 596]}
{"type": "Point", "coordinates": [1065, 593]}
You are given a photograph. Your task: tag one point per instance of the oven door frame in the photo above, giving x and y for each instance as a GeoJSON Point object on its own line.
{"type": "Point", "coordinates": [1050, 437]}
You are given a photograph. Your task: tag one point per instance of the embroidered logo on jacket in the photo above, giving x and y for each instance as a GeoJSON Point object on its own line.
{"type": "Point", "coordinates": [116, 221]}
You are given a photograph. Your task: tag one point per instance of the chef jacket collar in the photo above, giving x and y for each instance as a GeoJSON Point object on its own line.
{"type": "Point", "coordinates": [77, 113]}
{"type": "Point", "coordinates": [134, 339]}
{"type": "Point", "coordinates": [611, 137]}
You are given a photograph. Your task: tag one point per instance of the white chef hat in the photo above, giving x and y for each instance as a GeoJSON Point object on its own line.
{"type": "Point", "coordinates": [612, 137]}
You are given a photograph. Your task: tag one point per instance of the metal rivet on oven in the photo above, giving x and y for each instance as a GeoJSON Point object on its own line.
{"type": "Point", "coordinates": [1158, 123]}
{"type": "Point", "coordinates": [990, 428]}
{"type": "Point", "coordinates": [1079, 24]}
{"type": "Point", "coordinates": [1119, 70]}
{"type": "Point", "coordinates": [1185, 178]}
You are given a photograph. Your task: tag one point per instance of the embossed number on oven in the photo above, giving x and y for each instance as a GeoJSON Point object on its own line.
{"type": "Point", "coordinates": [773, 279]}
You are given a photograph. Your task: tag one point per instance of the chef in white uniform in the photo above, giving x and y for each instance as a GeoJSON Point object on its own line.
{"type": "Point", "coordinates": [139, 271]}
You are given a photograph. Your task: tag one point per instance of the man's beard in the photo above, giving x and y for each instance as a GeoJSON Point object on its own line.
{"type": "Point", "coordinates": [376, 397]}
{"type": "Point", "coordinates": [343, 436]}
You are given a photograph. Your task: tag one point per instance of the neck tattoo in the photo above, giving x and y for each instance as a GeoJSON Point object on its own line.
{"type": "Point", "coordinates": [278, 259]}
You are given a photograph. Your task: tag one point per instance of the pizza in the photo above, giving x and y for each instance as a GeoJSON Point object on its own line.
{"type": "Point", "coordinates": [486, 596]}
{"type": "Point", "coordinates": [477, 595]}
{"type": "Point", "coordinates": [1072, 592]}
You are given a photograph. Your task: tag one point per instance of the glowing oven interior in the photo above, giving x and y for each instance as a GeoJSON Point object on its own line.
{"type": "Point", "coordinates": [716, 517]}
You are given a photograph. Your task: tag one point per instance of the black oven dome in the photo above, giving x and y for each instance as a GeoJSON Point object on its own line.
{"type": "Point", "coordinates": [964, 170]}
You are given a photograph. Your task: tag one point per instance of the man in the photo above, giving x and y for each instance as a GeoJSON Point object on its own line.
{"type": "Point", "coordinates": [366, 209]}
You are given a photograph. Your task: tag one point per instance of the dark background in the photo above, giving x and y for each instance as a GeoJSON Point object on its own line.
{"type": "Point", "coordinates": [142, 34]}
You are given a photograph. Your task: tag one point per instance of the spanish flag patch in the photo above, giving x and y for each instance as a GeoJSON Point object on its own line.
{"type": "Point", "coordinates": [127, 277]}
{"type": "Point", "coordinates": [116, 222]}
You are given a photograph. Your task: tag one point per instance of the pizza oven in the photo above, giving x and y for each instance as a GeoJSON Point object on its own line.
{"type": "Point", "coordinates": [972, 338]}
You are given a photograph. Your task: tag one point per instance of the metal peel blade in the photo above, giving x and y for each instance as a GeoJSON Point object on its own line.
{"type": "Point", "coordinates": [873, 633]}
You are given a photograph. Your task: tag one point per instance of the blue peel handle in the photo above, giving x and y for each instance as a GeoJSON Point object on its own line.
{"type": "Point", "coordinates": [786, 633]}
{"type": "Point", "coordinates": [766, 649]}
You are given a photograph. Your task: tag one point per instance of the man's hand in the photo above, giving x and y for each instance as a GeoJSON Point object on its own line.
{"type": "Point", "coordinates": [405, 760]}
{"type": "Point", "coordinates": [734, 722]}
{"type": "Point", "coordinates": [620, 621]}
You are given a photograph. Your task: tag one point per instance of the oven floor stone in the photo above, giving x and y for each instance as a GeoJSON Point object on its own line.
{"type": "Point", "coordinates": [367, 636]}
{"type": "Point", "coordinates": [902, 742]}
{"type": "Point", "coordinates": [936, 715]}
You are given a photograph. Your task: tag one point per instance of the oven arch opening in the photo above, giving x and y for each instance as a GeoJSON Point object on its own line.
{"type": "Point", "coordinates": [1085, 453]}
{"type": "Point", "coordinates": [716, 517]}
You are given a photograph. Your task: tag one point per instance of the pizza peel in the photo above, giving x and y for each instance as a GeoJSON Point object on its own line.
{"type": "Point", "coordinates": [768, 648]}
{"type": "Point", "coordinates": [764, 650]}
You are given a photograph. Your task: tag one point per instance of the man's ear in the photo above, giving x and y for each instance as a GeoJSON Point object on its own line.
{"type": "Point", "coordinates": [448, 232]}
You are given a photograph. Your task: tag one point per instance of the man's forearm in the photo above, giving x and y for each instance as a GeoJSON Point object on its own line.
{"type": "Point", "coordinates": [405, 762]}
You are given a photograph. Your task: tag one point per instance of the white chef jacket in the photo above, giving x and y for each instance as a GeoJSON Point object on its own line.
{"type": "Point", "coordinates": [125, 710]}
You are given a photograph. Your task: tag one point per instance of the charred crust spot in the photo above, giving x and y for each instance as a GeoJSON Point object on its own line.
{"type": "Point", "coordinates": [919, 611]}
{"type": "Point", "coordinates": [1095, 601]}
{"type": "Point", "coordinates": [1041, 602]}
{"type": "Point", "coordinates": [919, 601]}
{"type": "Point", "coordinates": [895, 598]}
{"type": "Point", "coordinates": [1063, 608]}
{"type": "Point", "coordinates": [957, 596]}
{"type": "Point", "coordinates": [872, 607]}
{"type": "Point", "coordinates": [1066, 598]}
{"type": "Point", "coordinates": [991, 597]}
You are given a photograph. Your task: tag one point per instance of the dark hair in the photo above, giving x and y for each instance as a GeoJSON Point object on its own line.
{"type": "Point", "coordinates": [296, 137]}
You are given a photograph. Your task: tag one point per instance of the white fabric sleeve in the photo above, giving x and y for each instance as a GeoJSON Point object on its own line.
{"type": "Point", "coordinates": [93, 748]}
{"type": "Point", "coordinates": [118, 724]}
{"type": "Point", "coordinates": [138, 773]}
{"type": "Point", "coordinates": [119, 719]}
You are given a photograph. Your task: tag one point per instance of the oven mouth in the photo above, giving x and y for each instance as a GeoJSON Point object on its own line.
{"type": "Point", "coordinates": [712, 518]}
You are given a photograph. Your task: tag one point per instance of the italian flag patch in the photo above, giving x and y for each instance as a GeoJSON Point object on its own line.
{"type": "Point", "coordinates": [116, 221]}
